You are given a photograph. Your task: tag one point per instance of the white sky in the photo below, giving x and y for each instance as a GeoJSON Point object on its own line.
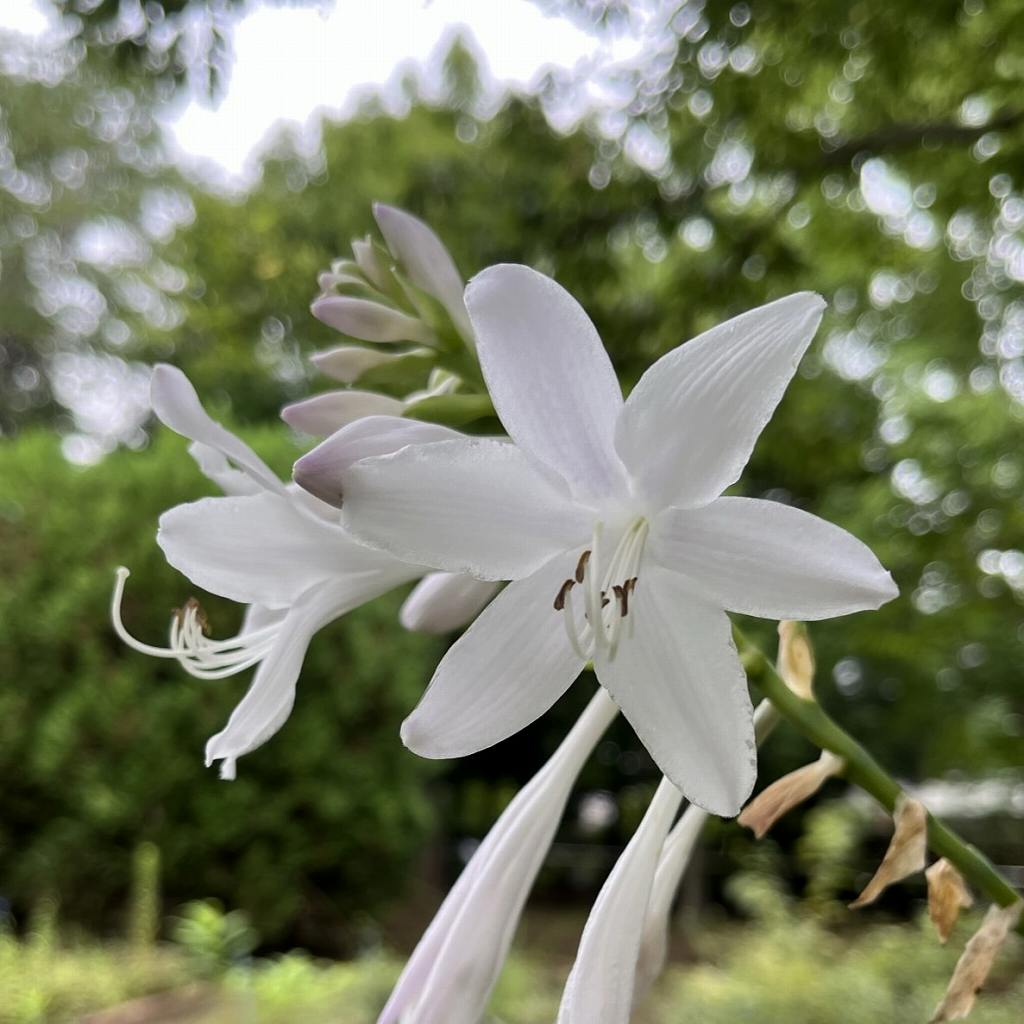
{"type": "Point", "coordinates": [291, 61]}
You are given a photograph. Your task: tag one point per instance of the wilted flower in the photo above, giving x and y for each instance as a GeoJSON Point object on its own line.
{"type": "Point", "coordinates": [617, 504]}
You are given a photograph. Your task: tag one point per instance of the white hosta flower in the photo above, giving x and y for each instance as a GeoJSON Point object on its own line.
{"type": "Point", "coordinates": [672, 863]}
{"type": "Point", "coordinates": [326, 413]}
{"type": "Point", "coordinates": [451, 973]}
{"type": "Point", "coordinates": [600, 985]}
{"type": "Point", "coordinates": [347, 363]}
{"type": "Point", "coordinates": [270, 546]}
{"type": "Point", "coordinates": [607, 517]}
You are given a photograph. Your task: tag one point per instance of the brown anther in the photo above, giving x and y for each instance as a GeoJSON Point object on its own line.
{"type": "Point", "coordinates": [581, 566]}
{"type": "Point", "coordinates": [192, 605]}
{"type": "Point", "coordinates": [563, 592]}
{"type": "Point", "coordinates": [622, 593]}
{"type": "Point", "coordinates": [605, 601]}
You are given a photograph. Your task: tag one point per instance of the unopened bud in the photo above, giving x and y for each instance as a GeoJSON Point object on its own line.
{"type": "Point", "coordinates": [370, 321]}
{"type": "Point", "coordinates": [323, 414]}
{"type": "Point", "coordinates": [347, 363]}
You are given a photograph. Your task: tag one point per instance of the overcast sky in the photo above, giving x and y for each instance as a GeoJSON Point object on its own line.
{"type": "Point", "coordinates": [289, 62]}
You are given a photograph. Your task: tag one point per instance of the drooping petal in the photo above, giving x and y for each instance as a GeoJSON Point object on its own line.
{"type": "Point", "coordinates": [177, 405]}
{"type": "Point", "coordinates": [425, 259]}
{"type": "Point", "coordinates": [323, 414]}
{"type": "Point", "coordinates": [348, 363]}
{"type": "Point", "coordinates": [506, 670]}
{"type": "Point", "coordinates": [548, 374]}
{"type": "Point", "coordinates": [678, 679]}
{"type": "Point", "coordinates": [690, 424]}
{"type": "Point", "coordinates": [320, 470]}
{"type": "Point", "coordinates": [451, 974]}
{"type": "Point", "coordinates": [215, 466]}
{"type": "Point", "coordinates": [474, 505]}
{"type": "Point", "coordinates": [261, 549]}
{"type": "Point", "coordinates": [443, 602]}
{"type": "Point", "coordinates": [769, 559]}
{"type": "Point", "coordinates": [600, 986]}
{"type": "Point", "coordinates": [268, 702]}
{"type": "Point", "coordinates": [368, 320]}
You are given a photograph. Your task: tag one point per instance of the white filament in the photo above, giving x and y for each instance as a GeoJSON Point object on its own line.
{"type": "Point", "coordinates": [602, 606]}
{"type": "Point", "coordinates": [190, 647]}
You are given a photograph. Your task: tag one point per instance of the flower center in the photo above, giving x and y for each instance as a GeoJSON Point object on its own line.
{"type": "Point", "coordinates": [191, 647]}
{"type": "Point", "coordinates": [606, 589]}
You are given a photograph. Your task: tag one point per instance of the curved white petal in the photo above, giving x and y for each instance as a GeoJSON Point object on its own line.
{"type": "Point", "coordinates": [600, 986]}
{"type": "Point", "coordinates": [425, 259]}
{"type": "Point", "coordinates": [450, 975]}
{"type": "Point", "coordinates": [678, 679]}
{"type": "Point", "coordinates": [549, 376]}
{"type": "Point", "coordinates": [368, 320]}
{"type": "Point", "coordinates": [268, 702]}
{"type": "Point", "coordinates": [690, 424]}
{"type": "Point", "coordinates": [176, 403]}
{"type": "Point", "coordinates": [474, 505]}
{"type": "Point", "coordinates": [216, 467]}
{"type": "Point", "coordinates": [348, 363]}
{"type": "Point", "coordinates": [323, 414]}
{"type": "Point", "coordinates": [506, 670]}
{"type": "Point", "coordinates": [768, 559]}
{"type": "Point", "coordinates": [320, 470]}
{"type": "Point", "coordinates": [261, 549]}
{"type": "Point", "coordinates": [445, 601]}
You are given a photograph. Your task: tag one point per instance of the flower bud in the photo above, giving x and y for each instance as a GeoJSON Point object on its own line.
{"type": "Point", "coordinates": [445, 601]}
{"type": "Point", "coordinates": [347, 363]}
{"type": "Point", "coordinates": [370, 321]}
{"type": "Point", "coordinates": [323, 414]}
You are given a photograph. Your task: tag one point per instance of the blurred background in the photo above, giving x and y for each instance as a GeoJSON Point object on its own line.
{"type": "Point", "coordinates": [173, 175]}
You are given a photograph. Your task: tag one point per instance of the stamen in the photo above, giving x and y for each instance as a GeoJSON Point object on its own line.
{"type": "Point", "coordinates": [563, 593]}
{"type": "Point", "coordinates": [606, 597]}
{"type": "Point", "coordinates": [191, 647]}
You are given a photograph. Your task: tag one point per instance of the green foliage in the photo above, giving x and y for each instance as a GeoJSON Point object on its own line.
{"type": "Point", "coordinates": [214, 940]}
{"type": "Point", "coordinates": [144, 922]}
{"type": "Point", "coordinates": [101, 748]}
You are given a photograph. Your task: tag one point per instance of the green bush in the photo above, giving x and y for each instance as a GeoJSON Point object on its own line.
{"type": "Point", "coordinates": [102, 748]}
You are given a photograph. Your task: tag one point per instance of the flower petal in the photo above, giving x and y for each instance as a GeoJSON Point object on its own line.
{"type": "Point", "coordinates": [268, 702]}
{"type": "Point", "coordinates": [601, 983]}
{"type": "Point", "coordinates": [425, 259]}
{"type": "Point", "coordinates": [678, 680]}
{"type": "Point", "coordinates": [445, 601]}
{"type": "Point", "coordinates": [368, 320]}
{"type": "Point", "coordinates": [769, 559]}
{"type": "Point", "coordinates": [320, 470]}
{"type": "Point", "coordinates": [690, 424]}
{"type": "Point", "coordinates": [348, 363]}
{"type": "Point", "coordinates": [509, 667]}
{"type": "Point", "coordinates": [323, 414]}
{"type": "Point", "coordinates": [450, 975]}
{"type": "Point", "coordinates": [473, 505]}
{"type": "Point", "coordinates": [261, 549]}
{"type": "Point", "coordinates": [216, 467]}
{"type": "Point", "coordinates": [549, 376]}
{"type": "Point", "coordinates": [177, 405]}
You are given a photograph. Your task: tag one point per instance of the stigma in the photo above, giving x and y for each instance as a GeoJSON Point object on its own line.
{"type": "Point", "coordinates": [606, 588]}
{"type": "Point", "coordinates": [189, 644]}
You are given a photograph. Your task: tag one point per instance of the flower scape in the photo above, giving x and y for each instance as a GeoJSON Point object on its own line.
{"type": "Point", "coordinates": [594, 532]}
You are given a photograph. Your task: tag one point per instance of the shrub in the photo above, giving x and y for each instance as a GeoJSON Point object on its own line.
{"type": "Point", "coordinates": [102, 748]}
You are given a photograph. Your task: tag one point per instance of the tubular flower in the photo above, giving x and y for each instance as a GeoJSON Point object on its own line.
{"type": "Point", "coordinates": [273, 547]}
{"type": "Point", "coordinates": [607, 517]}
{"type": "Point", "coordinates": [451, 973]}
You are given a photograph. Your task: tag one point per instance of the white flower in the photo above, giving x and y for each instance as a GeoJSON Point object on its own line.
{"type": "Point", "coordinates": [451, 973]}
{"type": "Point", "coordinates": [443, 602]}
{"type": "Point", "coordinates": [270, 546]}
{"type": "Point", "coordinates": [600, 985]}
{"type": "Point", "coordinates": [608, 518]}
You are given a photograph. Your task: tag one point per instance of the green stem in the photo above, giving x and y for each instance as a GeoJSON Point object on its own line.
{"type": "Point", "coordinates": [863, 770]}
